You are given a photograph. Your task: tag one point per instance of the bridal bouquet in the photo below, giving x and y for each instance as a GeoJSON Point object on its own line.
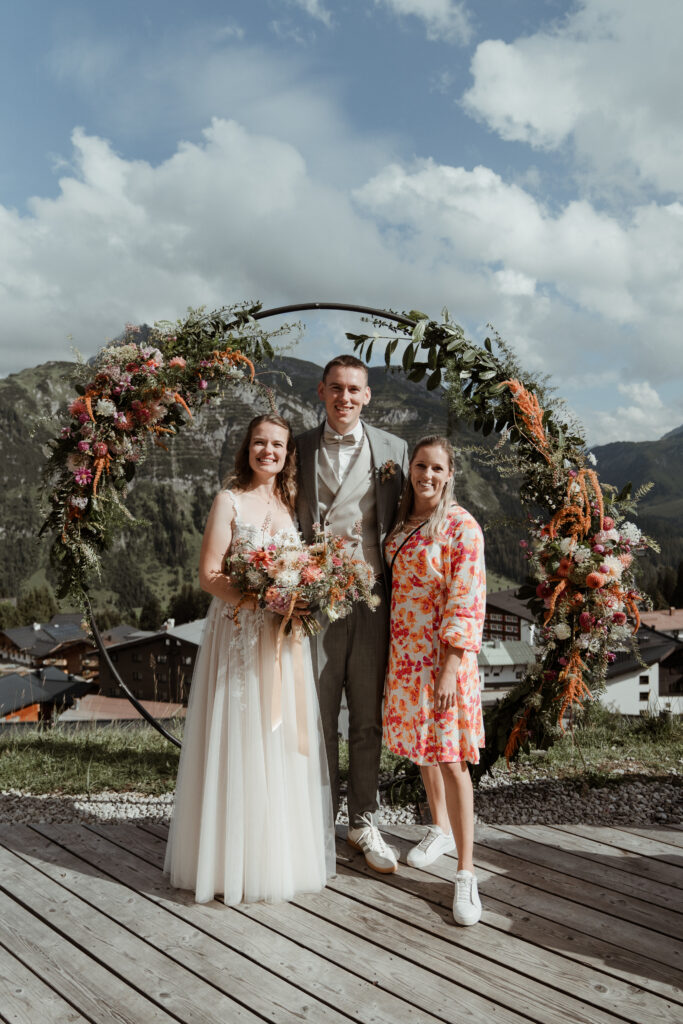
{"type": "Point", "coordinates": [324, 574]}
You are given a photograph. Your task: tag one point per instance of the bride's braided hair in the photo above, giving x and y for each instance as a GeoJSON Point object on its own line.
{"type": "Point", "coordinates": [285, 485]}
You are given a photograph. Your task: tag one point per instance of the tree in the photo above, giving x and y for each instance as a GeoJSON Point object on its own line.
{"type": "Point", "coordinates": [36, 605]}
{"type": "Point", "coordinates": [9, 615]}
{"type": "Point", "coordinates": [151, 615]}
{"type": "Point", "coordinates": [188, 603]}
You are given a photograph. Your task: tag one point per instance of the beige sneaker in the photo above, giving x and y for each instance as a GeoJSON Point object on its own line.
{"type": "Point", "coordinates": [368, 839]}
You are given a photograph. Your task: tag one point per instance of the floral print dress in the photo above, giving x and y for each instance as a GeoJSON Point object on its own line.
{"type": "Point", "coordinates": [438, 597]}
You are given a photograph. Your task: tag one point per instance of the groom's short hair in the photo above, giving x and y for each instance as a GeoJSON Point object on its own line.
{"type": "Point", "coordinates": [345, 360]}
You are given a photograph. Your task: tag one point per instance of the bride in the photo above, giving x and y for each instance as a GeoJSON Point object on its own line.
{"type": "Point", "coordinates": [253, 815]}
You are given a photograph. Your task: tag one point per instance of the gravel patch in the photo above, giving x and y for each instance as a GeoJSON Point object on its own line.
{"type": "Point", "coordinates": [499, 799]}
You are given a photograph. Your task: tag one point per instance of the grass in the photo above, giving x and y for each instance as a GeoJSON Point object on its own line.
{"type": "Point", "coordinates": [606, 747]}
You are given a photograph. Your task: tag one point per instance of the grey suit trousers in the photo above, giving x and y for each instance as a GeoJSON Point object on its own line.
{"type": "Point", "coordinates": [351, 654]}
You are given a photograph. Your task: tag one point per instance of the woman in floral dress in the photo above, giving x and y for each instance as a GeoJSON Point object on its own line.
{"type": "Point", "coordinates": [432, 707]}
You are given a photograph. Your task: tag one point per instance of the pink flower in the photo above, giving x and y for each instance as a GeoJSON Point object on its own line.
{"type": "Point", "coordinates": [523, 544]}
{"type": "Point", "coordinates": [83, 477]}
{"type": "Point", "coordinates": [84, 446]}
{"type": "Point", "coordinates": [203, 384]}
{"type": "Point", "coordinates": [77, 407]}
{"type": "Point", "coordinates": [100, 449]}
{"type": "Point", "coordinates": [599, 549]}
{"type": "Point", "coordinates": [586, 622]}
{"type": "Point", "coordinates": [619, 618]}
{"type": "Point", "coordinates": [83, 418]}
{"type": "Point", "coordinates": [607, 523]}
{"type": "Point", "coordinates": [178, 361]}
{"type": "Point", "coordinates": [611, 657]}
{"type": "Point", "coordinates": [66, 432]}
{"type": "Point", "coordinates": [311, 574]}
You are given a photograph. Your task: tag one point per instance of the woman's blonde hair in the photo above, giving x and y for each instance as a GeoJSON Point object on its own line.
{"type": "Point", "coordinates": [437, 520]}
{"type": "Point", "coordinates": [285, 484]}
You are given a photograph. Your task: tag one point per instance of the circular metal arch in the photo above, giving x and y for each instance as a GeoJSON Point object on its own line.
{"type": "Point", "coordinates": [260, 315]}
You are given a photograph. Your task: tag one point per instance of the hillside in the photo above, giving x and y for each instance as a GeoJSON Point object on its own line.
{"type": "Point", "coordinates": [173, 490]}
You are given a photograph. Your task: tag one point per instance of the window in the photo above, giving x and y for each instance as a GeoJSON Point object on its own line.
{"type": "Point", "coordinates": [644, 695]}
{"type": "Point", "coordinates": [137, 677]}
{"type": "Point", "coordinates": [137, 656]}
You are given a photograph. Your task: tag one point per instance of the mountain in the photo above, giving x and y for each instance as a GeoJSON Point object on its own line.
{"type": "Point", "coordinates": [173, 490]}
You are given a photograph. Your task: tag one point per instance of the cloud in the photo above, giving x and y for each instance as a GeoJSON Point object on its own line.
{"type": "Point", "coordinates": [605, 80]}
{"type": "Point", "coordinates": [316, 10]}
{"type": "Point", "coordinates": [444, 20]}
{"type": "Point", "coordinates": [242, 214]}
{"type": "Point", "coordinates": [643, 416]}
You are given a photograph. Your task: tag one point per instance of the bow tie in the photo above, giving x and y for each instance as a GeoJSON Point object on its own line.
{"type": "Point", "coordinates": [332, 438]}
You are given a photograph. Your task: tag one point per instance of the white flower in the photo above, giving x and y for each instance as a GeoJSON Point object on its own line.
{"type": "Point", "coordinates": [630, 533]}
{"type": "Point", "coordinates": [78, 502]}
{"type": "Point", "coordinates": [614, 566]}
{"type": "Point", "coordinates": [567, 544]}
{"type": "Point", "coordinates": [105, 408]}
{"type": "Point", "coordinates": [562, 631]}
{"type": "Point", "coordinates": [581, 554]}
{"type": "Point", "coordinates": [592, 459]}
{"type": "Point", "coordinates": [287, 578]}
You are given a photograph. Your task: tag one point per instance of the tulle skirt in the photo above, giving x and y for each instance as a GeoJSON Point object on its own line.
{"type": "Point", "coordinates": [253, 814]}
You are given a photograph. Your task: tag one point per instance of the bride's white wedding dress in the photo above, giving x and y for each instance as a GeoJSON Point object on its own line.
{"type": "Point", "coordinates": [253, 816]}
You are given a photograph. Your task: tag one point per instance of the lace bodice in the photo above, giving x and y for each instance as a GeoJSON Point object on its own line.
{"type": "Point", "coordinates": [245, 534]}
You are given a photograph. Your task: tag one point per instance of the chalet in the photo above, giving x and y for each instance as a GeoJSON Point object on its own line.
{"type": "Point", "coordinates": [62, 643]}
{"type": "Point", "coordinates": [36, 696]}
{"type": "Point", "coordinates": [155, 665]}
{"type": "Point", "coordinates": [648, 681]}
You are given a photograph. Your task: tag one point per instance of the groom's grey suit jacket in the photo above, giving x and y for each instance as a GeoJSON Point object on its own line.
{"type": "Point", "coordinates": [389, 458]}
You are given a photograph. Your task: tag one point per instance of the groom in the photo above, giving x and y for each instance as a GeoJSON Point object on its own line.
{"type": "Point", "coordinates": [351, 475]}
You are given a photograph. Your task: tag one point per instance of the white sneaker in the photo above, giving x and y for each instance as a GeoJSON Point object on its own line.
{"type": "Point", "coordinates": [368, 840]}
{"type": "Point", "coordinates": [433, 843]}
{"type": "Point", "coordinates": [466, 902]}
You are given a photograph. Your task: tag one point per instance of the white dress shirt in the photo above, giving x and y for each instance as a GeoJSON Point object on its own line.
{"type": "Point", "coordinates": [341, 453]}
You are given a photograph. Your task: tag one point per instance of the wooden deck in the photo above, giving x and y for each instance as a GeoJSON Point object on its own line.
{"type": "Point", "coordinates": [580, 924]}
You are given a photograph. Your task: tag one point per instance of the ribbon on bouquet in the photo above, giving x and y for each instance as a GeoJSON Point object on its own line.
{"type": "Point", "coordinates": [299, 682]}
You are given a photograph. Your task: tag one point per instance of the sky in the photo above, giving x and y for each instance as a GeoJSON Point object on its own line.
{"type": "Point", "coordinates": [518, 162]}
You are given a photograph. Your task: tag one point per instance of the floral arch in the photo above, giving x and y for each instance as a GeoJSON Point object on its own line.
{"type": "Point", "coordinates": [581, 543]}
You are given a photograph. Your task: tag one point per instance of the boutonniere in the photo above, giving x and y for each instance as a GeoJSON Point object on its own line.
{"type": "Point", "coordinates": [387, 470]}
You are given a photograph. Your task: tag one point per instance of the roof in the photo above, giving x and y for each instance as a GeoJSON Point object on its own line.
{"type": "Point", "coordinates": [20, 690]}
{"type": "Point", "coordinates": [118, 634]}
{"type": "Point", "coordinates": [191, 632]}
{"type": "Point", "coordinates": [653, 648]}
{"type": "Point", "coordinates": [94, 708]}
{"type": "Point", "coordinates": [508, 602]}
{"type": "Point", "coordinates": [505, 652]}
{"type": "Point", "coordinates": [39, 639]}
{"type": "Point", "coordinates": [668, 620]}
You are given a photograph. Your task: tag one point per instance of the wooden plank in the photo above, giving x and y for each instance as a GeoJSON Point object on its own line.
{"type": "Point", "coordinates": [611, 857]}
{"type": "Point", "coordinates": [539, 983]}
{"type": "Point", "coordinates": [429, 926]}
{"type": "Point", "coordinates": [581, 881]}
{"type": "Point", "coordinates": [368, 992]}
{"type": "Point", "coordinates": [222, 967]}
{"type": "Point", "coordinates": [547, 921]}
{"type": "Point", "coordinates": [431, 959]}
{"type": "Point", "coordinates": [66, 968]}
{"type": "Point", "coordinates": [662, 833]}
{"type": "Point", "coordinates": [27, 999]}
{"type": "Point", "coordinates": [165, 983]}
{"type": "Point", "coordinates": [627, 840]}
{"type": "Point", "coordinates": [552, 894]}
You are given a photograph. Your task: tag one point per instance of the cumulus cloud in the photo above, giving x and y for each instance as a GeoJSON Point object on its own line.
{"type": "Point", "coordinates": [607, 80]}
{"type": "Point", "coordinates": [443, 19]}
{"type": "Point", "coordinates": [641, 416]}
{"type": "Point", "coordinates": [240, 214]}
